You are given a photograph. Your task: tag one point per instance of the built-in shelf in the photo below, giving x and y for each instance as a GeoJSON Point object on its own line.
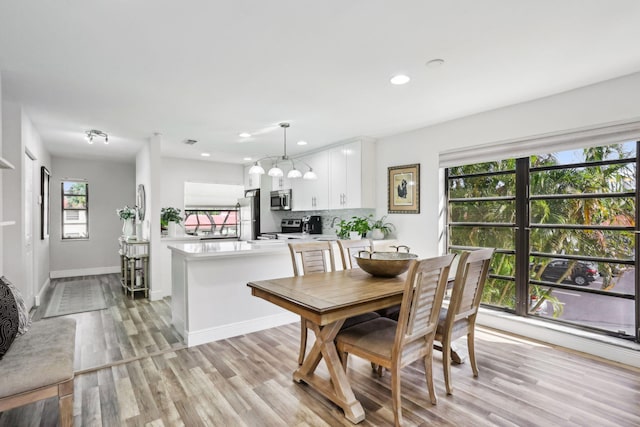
{"type": "Point", "coordinates": [5, 164]}
{"type": "Point", "coordinates": [3, 223]}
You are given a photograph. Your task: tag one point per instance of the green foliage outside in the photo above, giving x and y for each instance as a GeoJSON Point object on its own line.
{"type": "Point", "coordinates": [616, 244]}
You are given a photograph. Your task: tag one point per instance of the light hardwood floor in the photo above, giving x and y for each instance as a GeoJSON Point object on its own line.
{"type": "Point", "coordinates": [246, 381]}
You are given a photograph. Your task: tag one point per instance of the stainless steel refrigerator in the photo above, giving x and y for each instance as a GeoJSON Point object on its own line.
{"type": "Point", "coordinates": [249, 210]}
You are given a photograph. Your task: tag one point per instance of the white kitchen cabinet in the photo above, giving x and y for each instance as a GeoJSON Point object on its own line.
{"type": "Point", "coordinates": [280, 183]}
{"type": "Point", "coordinates": [310, 195]}
{"type": "Point", "coordinates": [251, 181]}
{"type": "Point", "coordinates": [351, 183]}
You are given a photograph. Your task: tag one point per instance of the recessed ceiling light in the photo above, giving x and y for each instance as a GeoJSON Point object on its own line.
{"type": "Point", "coordinates": [205, 154]}
{"type": "Point", "coordinates": [246, 159]}
{"type": "Point", "coordinates": [435, 63]}
{"type": "Point", "coordinates": [302, 142]}
{"type": "Point", "coordinates": [244, 135]}
{"type": "Point", "coordinates": [400, 79]}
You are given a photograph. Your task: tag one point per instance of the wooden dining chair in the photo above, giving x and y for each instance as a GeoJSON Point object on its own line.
{"type": "Point", "coordinates": [350, 248]}
{"type": "Point", "coordinates": [317, 257]}
{"type": "Point", "coordinates": [459, 318]}
{"type": "Point", "coordinates": [395, 344]}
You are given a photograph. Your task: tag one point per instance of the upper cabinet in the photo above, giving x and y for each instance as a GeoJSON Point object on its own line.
{"type": "Point", "coordinates": [351, 184]}
{"type": "Point", "coordinates": [311, 195]}
{"type": "Point", "coordinates": [345, 178]}
{"type": "Point", "coordinates": [251, 181]}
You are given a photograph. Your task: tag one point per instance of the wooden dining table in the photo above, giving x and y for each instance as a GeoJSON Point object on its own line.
{"type": "Point", "coordinates": [326, 300]}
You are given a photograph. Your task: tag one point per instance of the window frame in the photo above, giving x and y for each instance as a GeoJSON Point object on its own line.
{"type": "Point", "coordinates": [522, 227]}
{"type": "Point", "coordinates": [63, 209]}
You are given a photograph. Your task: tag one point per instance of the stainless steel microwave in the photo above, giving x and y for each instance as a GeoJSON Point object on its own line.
{"type": "Point", "coordinates": [281, 200]}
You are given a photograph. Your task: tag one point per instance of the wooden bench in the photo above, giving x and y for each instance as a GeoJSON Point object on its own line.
{"type": "Point", "coordinates": [39, 365]}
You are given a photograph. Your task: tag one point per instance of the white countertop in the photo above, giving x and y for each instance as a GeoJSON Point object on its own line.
{"type": "Point", "coordinates": [210, 248]}
{"type": "Point", "coordinates": [306, 236]}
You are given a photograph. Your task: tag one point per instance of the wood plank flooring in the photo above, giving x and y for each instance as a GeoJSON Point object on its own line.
{"type": "Point", "coordinates": [246, 381]}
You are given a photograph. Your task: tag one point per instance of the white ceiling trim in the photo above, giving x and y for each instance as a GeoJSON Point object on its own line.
{"type": "Point", "coordinates": [603, 134]}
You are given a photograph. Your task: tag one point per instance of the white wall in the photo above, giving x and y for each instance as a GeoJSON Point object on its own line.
{"type": "Point", "coordinates": [609, 101]}
{"type": "Point", "coordinates": [112, 185]}
{"type": "Point", "coordinates": [175, 172]}
{"type": "Point", "coordinates": [19, 136]}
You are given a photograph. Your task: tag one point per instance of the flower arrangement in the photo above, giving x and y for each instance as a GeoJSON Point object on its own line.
{"type": "Point", "coordinates": [126, 212]}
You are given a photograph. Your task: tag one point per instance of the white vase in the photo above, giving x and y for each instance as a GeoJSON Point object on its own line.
{"type": "Point", "coordinates": [354, 235]}
{"type": "Point", "coordinates": [172, 229]}
{"type": "Point", "coordinates": [127, 228]}
{"type": "Point", "coordinates": [377, 234]}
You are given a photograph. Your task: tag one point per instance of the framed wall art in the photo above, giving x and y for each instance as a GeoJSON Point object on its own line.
{"type": "Point", "coordinates": [403, 189]}
{"type": "Point", "coordinates": [45, 177]}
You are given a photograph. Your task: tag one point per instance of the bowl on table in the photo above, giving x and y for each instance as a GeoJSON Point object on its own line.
{"type": "Point", "coordinates": [385, 264]}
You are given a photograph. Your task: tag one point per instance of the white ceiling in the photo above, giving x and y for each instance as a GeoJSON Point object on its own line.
{"type": "Point", "coordinates": [208, 70]}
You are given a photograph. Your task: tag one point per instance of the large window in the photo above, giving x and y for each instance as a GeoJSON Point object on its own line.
{"type": "Point", "coordinates": [564, 225]}
{"type": "Point", "coordinates": [211, 222]}
{"type": "Point", "coordinates": [75, 210]}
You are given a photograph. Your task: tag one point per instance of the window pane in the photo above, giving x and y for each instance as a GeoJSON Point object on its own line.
{"type": "Point", "coordinates": [593, 179]}
{"type": "Point", "coordinates": [220, 222]}
{"type": "Point", "coordinates": [71, 187]}
{"type": "Point", "coordinates": [619, 211]}
{"type": "Point", "coordinates": [598, 311]}
{"type": "Point", "coordinates": [489, 237]}
{"type": "Point", "coordinates": [499, 293]}
{"type": "Point", "coordinates": [499, 166]}
{"type": "Point", "coordinates": [74, 202]}
{"type": "Point", "coordinates": [624, 150]}
{"type": "Point", "coordinates": [595, 243]}
{"type": "Point", "coordinates": [503, 211]}
{"type": "Point", "coordinates": [74, 231]}
{"type": "Point", "coordinates": [482, 186]}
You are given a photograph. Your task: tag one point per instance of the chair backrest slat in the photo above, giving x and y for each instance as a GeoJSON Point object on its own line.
{"type": "Point", "coordinates": [315, 257]}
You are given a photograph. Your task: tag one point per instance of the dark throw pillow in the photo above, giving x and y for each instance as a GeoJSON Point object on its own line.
{"type": "Point", "coordinates": [8, 318]}
{"type": "Point", "coordinates": [24, 321]}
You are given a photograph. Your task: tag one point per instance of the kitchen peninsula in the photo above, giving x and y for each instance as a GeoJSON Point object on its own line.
{"type": "Point", "coordinates": [209, 295]}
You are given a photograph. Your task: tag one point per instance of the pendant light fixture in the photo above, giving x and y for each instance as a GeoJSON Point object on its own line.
{"type": "Point", "coordinates": [275, 170]}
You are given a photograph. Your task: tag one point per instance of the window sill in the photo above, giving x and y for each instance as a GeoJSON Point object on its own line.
{"type": "Point", "coordinates": [606, 347]}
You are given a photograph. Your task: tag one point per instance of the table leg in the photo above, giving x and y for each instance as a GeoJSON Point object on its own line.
{"type": "Point", "coordinates": [337, 388]}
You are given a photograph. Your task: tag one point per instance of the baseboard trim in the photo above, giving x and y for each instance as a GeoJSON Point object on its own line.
{"type": "Point", "coordinates": [157, 295]}
{"type": "Point", "coordinates": [613, 349]}
{"type": "Point", "coordinates": [227, 331]}
{"type": "Point", "coordinates": [84, 272]}
{"type": "Point", "coordinates": [40, 294]}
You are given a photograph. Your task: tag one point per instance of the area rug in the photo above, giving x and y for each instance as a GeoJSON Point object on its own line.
{"type": "Point", "coordinates": [75, 297]}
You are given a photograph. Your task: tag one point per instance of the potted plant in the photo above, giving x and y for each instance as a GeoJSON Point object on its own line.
{"type": "Point", "coordinates": [169, 219]}
{"type": "Point", "coordinates": [360, 225]}
{"type": "Point", "coordinates": [381, 229]}
{"type": "Point", "coordinates": [127, 215]}
{"type": "Point", "coordinates": [344, 228]}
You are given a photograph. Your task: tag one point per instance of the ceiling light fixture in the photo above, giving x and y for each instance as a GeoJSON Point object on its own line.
{"type": "Point", "coordinates": [400, 79]}
{"type": "Point", "coordinates": [90, 134]}
{"type": "Point", "coordinates": [302, 142]}
{"type": "Point", "coordinates": [276, 171]}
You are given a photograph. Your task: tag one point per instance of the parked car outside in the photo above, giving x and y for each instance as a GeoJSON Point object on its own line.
{"type": "Point", "coordinates": [582, 272]}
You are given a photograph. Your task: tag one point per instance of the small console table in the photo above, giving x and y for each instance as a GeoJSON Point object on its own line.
{"type": "Point", "coordinates": [134, 266]}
